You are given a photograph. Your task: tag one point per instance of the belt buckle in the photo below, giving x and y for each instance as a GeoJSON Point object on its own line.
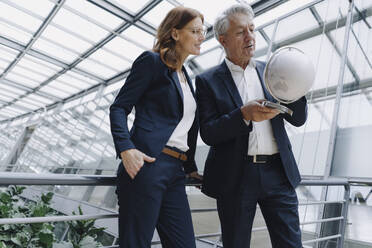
{"type": "Point", "coordinates": [256, 161]}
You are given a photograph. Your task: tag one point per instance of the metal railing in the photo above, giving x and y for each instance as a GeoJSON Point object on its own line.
{"type": "Point", "coordinates": [103, 180]}
{"type": "Point", "coordinates": [342, 218]}
{"type": "Point", "coordinates": [361, 183]}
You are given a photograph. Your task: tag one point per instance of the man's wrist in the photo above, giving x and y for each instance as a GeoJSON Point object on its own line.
{"type": "Point", "coordinates": [245, 116]}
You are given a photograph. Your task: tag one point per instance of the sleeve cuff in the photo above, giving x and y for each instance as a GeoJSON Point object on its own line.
{"type": "Point", "coordinates": [123, 147]}
{"type": "Point", "coordinates": [243, 123]}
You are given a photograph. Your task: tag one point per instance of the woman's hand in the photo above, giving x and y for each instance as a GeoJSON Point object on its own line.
{"type": "Point", "coordinates": [195, 175]}
{"type": "Point", "coordinates": [195, 178]}
{"type": "Point", "coordinates": [133, 161]}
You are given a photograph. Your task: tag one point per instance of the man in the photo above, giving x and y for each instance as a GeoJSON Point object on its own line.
{"type": "Point", "coordinates": [250, 160]}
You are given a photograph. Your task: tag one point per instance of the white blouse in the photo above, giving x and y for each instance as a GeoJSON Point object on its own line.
{"type": "Point", "coordinates": [179, 136]}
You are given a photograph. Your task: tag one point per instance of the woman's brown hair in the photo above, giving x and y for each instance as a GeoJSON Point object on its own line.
{"type": "Point", "coordinates": [165, 45]}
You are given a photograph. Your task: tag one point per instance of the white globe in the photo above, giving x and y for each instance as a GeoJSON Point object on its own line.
{"type": "Point", "coordinates": [289, 74]}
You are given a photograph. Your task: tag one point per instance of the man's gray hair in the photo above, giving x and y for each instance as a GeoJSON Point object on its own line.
{"type": "Point", "coordinates": [222, 22]}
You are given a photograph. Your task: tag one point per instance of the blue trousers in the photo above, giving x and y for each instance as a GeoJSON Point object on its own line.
{"type": "Point", "coordinates": [265, 185]}
{"type": "Point", "coordinates": [155, 198]}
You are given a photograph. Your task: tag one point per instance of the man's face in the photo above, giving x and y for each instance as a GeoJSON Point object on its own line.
{"type": "Point", "coordinates": [239, 41]}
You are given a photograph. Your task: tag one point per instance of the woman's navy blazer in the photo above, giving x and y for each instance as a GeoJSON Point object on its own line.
{"type": "Point", "coordinates": [155, 92]}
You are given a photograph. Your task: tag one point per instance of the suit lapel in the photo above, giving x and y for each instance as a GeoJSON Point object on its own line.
{"type": "Point", "coordinates": [189, 82]}
{"type": "Point", "coordinates": [174, 77]}
{"type": "Point", "coordinates": [260, 67]}
{"type": "Point", "coordinates": [225, 75]}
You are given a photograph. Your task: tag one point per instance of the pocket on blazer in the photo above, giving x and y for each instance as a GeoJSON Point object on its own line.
{"type": "Point", "coordinates": [144, 124]}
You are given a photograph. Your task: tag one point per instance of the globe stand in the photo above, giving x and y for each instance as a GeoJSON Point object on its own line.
{"type": "Point", "coordinates": [282, 109]}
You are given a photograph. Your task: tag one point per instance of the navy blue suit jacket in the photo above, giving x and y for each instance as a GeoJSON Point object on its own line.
{"type": "Point", "coordinates": [222, 127]}
{"type": "Point", "coordinates": [155, 92]}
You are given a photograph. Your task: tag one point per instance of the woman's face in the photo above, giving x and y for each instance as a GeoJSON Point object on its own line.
{"type": "Point", "coordinates": [189, 38]}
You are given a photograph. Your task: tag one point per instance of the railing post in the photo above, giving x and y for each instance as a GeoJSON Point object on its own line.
{"type": "Point", "coordinates": [336, 109]}
{"type": "Point", "coordinates": [345, 207]}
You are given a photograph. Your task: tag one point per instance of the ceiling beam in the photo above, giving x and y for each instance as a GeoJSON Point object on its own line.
{"type": "Point", "coordinates": [330, 26]}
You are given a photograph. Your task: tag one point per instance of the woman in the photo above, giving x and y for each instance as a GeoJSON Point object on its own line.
{"type": "Point", "coordinates": [159, 149]}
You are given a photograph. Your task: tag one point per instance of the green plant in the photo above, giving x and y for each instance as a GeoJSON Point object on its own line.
{"type": "Point", "coordinates": [36, 235]}
{"type": "Point", "coordinates": [82, 234]}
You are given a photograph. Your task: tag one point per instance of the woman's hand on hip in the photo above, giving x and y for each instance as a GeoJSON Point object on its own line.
{"type": "Point", "coordinates": [133, 161]}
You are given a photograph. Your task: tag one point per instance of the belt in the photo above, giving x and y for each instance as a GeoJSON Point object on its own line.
{"type": "Point", "coordinates": [262, 159]}
{"type": "Point", "coordinates": [175, 154]}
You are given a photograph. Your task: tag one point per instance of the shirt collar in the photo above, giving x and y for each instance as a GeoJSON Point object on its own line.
{"type": "Point", "coordinates": [236, 68]}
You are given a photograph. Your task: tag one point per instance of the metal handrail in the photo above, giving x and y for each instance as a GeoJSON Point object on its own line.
{"type": "Point", "coordinates": [360, 182]}
{"type": "Point", "coordinates": [337, 236]}
{"type": "Point", "coordinates": [202, 210]}
{"type": "Point", "coordinates": [30, 220]}
{"type": "Point", "coordinates": [15, 178]}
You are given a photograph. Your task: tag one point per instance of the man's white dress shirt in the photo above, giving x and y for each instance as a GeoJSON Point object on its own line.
{"type": "Point", "coordinates": [261, 138]}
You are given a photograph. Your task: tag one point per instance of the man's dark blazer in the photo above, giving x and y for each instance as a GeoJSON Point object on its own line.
{"type": "Point", "coordinates": [155, 92]}
{"type": "Point", "coordinates": [222, 127]}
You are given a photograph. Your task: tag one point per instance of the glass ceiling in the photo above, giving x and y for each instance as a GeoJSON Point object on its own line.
{"type": "Point", "coordinates": [63, 61]}
{"type": "Point", "coordinates": [52, 51]}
